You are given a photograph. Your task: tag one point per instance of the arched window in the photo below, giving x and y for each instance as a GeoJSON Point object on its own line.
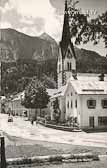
{"type": "Point", "coordinates": [59, 67]}
{"type": "Point", "coordinates": [70, 66]}
{"type": "Point", "coordinates": [76, 103]}
{"type": "Point", "coordinates": [71, 103]}
{"type": "Point", "coordinates": [68, 104]}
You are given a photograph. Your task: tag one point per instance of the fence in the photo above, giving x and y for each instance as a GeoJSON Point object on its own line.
{"type": "Point", "coordinates": [2, 152]}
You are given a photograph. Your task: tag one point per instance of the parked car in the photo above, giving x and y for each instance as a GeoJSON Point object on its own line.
{"type": "Point", "coordinates": [10, 119]}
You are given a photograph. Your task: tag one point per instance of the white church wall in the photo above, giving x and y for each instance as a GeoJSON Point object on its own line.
{"type": "Point", "coordinates": [71, 97]}
{"type": "Point", "coordinates": [73, 63]}
{"type": "Point", "coordinates": [62, 108]}
{"type": "Point", "coordinates": [59, 80]}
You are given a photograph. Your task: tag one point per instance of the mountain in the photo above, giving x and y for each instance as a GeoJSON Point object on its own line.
{"type": "Point", "coordinates": [16, 45]}
{"type": "Point", "coordinates": [47, 37]}
{"type": "Point", "coordinates": [52, 42]}
{"type": "Point", "coordinates": [90, 61]}
{"type": "Point", "coordinates": [24, 57]}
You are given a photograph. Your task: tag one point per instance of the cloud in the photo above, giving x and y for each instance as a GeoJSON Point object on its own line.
{"type": "Point", "coordinates": [31, 31]}
{"type": "Point", "coordinates": [29, 14]}
{"type": "Point", "coordinates": [5, 25]}
{"type": "Point", "coordinates": [33, 17]}
{"type": "Point", "coordinates": [12, 17]}
{"type": "Point", "coordinates": [27, 20]}
{"type": "Point", "coordinates": [42, 8]}
{"type": "Point", "coordinates": [3, 2]}
{"type": "Point", "coordinates": [39, 23]}
{"type": "Point", "coordinates": [53, 26]}
{"type": "Point", "coordinates": [58, 4]}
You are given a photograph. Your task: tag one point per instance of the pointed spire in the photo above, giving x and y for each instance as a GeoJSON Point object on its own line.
{"type": "Point", "coordinates": [66, 31]}
{"type": "Point", "coordinates": [66, 38]}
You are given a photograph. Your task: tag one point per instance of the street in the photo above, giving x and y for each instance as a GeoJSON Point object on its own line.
{"type": "Point", "coordinates": [23, 129]}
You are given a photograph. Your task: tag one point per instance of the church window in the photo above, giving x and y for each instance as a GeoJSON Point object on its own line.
{"type": "Point", "coordinates": [59, 67]}
{"type": "Point", "coordinates": [76, 103]}
{"type": "Point", "coordinates": [71, 103]}
{"type": "Point", "coordinates": [67, 65]}
{"type": "Point", "coordinates": [68, 104]}
{"type": "Point", "coordinates": [70, 66]}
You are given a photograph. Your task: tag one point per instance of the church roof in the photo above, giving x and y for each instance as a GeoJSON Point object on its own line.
{"type": "Point", "coordinates": [90, 87]}
{"type": "Point", "coordinates": [66, 38]}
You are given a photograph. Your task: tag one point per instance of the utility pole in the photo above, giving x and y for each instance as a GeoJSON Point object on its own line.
{"type": "Point", "coordinates": [2, 152]}
{"type": "Point", "coordinates": [0, 77]}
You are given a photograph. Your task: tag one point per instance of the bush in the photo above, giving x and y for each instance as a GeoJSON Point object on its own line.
{"type": "Point", "coordinates": [55, 158]}
{"type": "Point", "coordinates": [48, 118]}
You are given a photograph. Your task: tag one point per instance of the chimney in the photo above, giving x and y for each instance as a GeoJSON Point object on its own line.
{"type": "Point", "coordinates": [101, 77]}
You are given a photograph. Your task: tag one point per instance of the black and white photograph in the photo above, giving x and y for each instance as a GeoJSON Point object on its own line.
{"type": "Point", "coordinates": [53, 83]}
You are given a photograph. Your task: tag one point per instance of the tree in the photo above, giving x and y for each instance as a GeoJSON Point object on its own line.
{"type": "Point", "coordinates": [36, 96]}
{"type": "Point", "coordinates": [57, 111]}
{"type": "Point", "coordinates": [85, 29]}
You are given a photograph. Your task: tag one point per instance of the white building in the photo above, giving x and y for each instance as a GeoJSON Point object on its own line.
{"type": "Point", "coordinates": [82, 96]}
{"type": "Point", "coordinates": [14, 106]}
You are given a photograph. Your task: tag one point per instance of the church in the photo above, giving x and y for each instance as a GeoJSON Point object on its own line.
{"type": "Point", "coordinates": [82, 96]}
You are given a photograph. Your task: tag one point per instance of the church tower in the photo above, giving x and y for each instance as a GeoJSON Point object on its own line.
{"type": "Point", "coordinates": [66, 65]}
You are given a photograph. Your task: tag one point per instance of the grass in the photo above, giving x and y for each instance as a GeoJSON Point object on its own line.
{"type": "Point", "coordinates": [97, 164]}
{"type": "Point", "coordinates": [18, 147]}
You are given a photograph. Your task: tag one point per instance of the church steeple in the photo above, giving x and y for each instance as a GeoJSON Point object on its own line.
{"type": "Point", "coordinates": [66, 65]}
{"type": "Point", "coordinates": [66, 30]}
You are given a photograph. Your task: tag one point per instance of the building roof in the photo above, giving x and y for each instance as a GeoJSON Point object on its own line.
{"type": "Point", "coordinates": [18, 96]}
{"type": "Point", "coordinates": [60, 92]}
{"type": "Point", "coordinates": [87, 77]}
{"type": "Point", "coordinates": [90, 87]}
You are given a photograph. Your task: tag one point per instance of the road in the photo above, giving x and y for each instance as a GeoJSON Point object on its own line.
{"type": "Point", "coordinates": [24, 129]}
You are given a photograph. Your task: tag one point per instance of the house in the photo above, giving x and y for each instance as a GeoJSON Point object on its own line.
{"type": "Point", "coordinates": [83, 100]}
{"type": "Point", "coordinates": [87, 102]}
{"type": "Point", "coordinates": [14, 105]}
{"type": "Point", "coordinates": [81, 96]}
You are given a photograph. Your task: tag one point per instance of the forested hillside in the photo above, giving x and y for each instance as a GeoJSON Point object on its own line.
{"type": "Point", "coordinates": [24, 57]}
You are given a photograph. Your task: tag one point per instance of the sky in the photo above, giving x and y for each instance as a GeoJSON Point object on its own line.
{"type": "Point", "coordinates": [33, 17]}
